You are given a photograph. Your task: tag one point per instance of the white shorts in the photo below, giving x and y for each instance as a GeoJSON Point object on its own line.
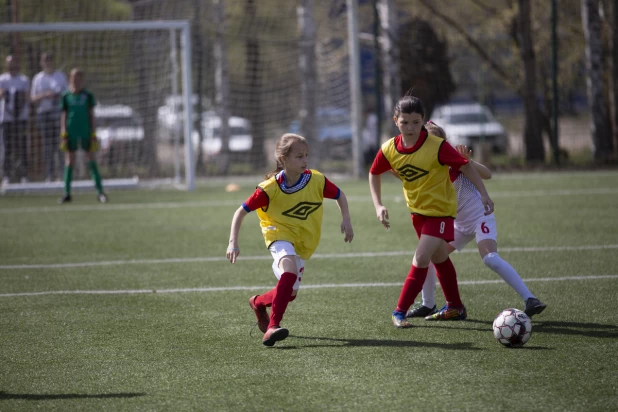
{"type": "Point", "coordinates": [485, 228]}
{"type": "Point", "coordinates": [281, 248]}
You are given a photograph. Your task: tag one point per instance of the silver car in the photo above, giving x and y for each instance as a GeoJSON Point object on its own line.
{"type": "Point", "coordinates": [471, 124]}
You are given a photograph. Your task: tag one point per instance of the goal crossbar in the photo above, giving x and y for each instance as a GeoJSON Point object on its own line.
{"type": "Point", "coordinates": [96, 26]}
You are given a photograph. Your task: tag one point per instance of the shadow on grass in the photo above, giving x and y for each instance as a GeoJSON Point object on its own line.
{"type": "Point", "coordinates": [595, 330]}
{"type": "Point", "coordinates": [53, 396]}
{"type": "Point", "coordinates": [335, 343]}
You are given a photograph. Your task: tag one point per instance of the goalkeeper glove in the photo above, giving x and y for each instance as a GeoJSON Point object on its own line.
{"type": "Point", "coordinates": [64, 142]}
{"type": "Point", "coordinates": [94, 143]}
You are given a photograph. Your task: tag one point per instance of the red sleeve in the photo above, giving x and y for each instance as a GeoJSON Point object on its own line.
{"type": "Point", "coordinates": [380, 164]}
{"type": "Point", "coordinates": [447, 155]}
{"type": "Point", "coordinates": [257, 200]}
{"type": "Point", "coordinates": [453, 174]}
{"type": "Point", "coordinates": [331, 191]}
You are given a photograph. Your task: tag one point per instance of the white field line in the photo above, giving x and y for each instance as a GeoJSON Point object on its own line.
{"type": "Point", "coordinates": [319, 286]}
{"type": "Point", "coordinates": [316, 256]}
{"type": "Point", "coordinates": [226, 203]}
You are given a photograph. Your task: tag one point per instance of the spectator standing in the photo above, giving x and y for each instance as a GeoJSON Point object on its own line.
{"type": "Point", "coordinates": [15, 91]}
{"type": "Point", "coordinates": [47, 87]}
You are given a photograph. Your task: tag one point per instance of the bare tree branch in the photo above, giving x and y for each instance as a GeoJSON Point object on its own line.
{"type": "Point", "coordinates": [475, 45]}
{"type": "Point", "coordinates": [488, 9]}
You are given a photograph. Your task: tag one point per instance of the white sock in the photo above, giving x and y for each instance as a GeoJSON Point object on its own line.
{"type": "Point", "coordinates": [429, 287]}
{"type": "Point", "coordinates": [506, 272]}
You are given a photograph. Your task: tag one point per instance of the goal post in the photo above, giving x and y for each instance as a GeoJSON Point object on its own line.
{"type": "Point", "coordinates": [143, 88]}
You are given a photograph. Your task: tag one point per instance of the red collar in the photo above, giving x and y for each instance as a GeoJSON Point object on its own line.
{"type": "Point", "coordinates": [421, 139]}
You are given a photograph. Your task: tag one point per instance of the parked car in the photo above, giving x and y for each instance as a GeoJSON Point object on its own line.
{"type": "Point", "coordinates": [120, 132]}
{"type": "Point", "coordinates": [170, 117]}
{"type": "Point", "coordinates": [240, 139]}
{"type": "Point", "coordinates": [471, 124]}
{"type": "Point", "coordinates": [334, 131]}
{"type": "Point", "coordinates": [116, 124]}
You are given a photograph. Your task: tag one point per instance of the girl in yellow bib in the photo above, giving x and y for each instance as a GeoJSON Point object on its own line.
{"type": "Point", "coordinates": [422, 162]}
{"type": "Point", "coordinates": [289, 206]}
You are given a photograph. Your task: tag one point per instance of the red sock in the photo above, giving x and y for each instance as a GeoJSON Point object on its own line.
{"type": "Point", "coordinates": [411, 288]}
{"type": "Point", "coordinates": [448, 281]}
{"type": "Point", "coordinates": [266, 299]}
{"type": "Point", "coordinates": [283, 291]}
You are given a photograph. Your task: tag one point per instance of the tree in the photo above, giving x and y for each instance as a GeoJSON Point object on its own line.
{"type": "Point", "coordinates": [307, 63]}
{"type": "Point", "coordinates": [495, 32]}
{"type": "Point", "coordinates": [430, 79]}
{"type": "Point", "coordinates": [198, 53]}
{"type": "Point", "coordinates": [599, 126]}
{"type": "Point", "coordinates": [254, 75]}
{"type": "Point", "coordinates": [532, 128]}
{"type": "Point", "coordinates": [526, 87]}
{"type": "Point", "coordinates": [389, 23]}
{"type": "Point", "coordinates": [613, 47]}
{"type": "Point", "coordinates": [222, 85]}
{"type": "Point", "coordinates": [146, 40]}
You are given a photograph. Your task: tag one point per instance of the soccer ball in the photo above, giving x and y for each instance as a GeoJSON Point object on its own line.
{"type": "Point", "coordinates": [512, 328]}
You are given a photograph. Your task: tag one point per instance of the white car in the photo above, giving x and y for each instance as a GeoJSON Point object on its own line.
{"type": "Point", "coordinates": [240, 139]}
{"type": "Point", "coordinates": [170, 117]}
{"type": "Point", "coordinates": [117, 124]}
{"type": "Point", "coordinates": [471, 124]}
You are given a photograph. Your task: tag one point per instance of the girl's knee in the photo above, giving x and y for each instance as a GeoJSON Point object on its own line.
{"type": "Point", "coordinates": [288, 264]}
{"type": "Point", "coordinates": [421, 260]}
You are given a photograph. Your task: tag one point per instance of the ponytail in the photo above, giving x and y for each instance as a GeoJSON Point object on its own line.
{"type": "Point", "coordinates": [274, 172]}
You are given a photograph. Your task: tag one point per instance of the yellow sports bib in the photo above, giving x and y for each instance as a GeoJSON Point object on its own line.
{"type": "Point", "coordinates": [426, 184]}
{"type": "Point", "coordinates": [294, 214]}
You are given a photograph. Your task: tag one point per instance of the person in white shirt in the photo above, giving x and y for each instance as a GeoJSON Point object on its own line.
{"type": "Point", "coordinates": [47, 86]}
{"type": "Point", "coordinates": [15, 91]}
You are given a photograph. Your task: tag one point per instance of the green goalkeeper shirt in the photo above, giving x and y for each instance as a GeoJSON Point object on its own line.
{"type": "Point", "coordinates": [77, 107]}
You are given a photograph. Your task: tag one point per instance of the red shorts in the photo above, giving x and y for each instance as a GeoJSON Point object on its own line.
{"type": "Point", "coordinates": [442, 227]}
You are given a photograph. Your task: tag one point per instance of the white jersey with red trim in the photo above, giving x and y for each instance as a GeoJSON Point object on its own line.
{"type": "Point", "coordinates": [469, 205]}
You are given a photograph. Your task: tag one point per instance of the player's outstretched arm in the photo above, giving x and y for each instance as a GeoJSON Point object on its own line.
{"type": "Point", "coordinates": [346, 223]}
{"type": "Point", "coordinates": [233, 250]}
{"type": "Point", "coordinates": [470, 172]}
{"type": "Point", "coordinates": [483, 170]}
{"type": "Point", "coordinates": [375, 187]}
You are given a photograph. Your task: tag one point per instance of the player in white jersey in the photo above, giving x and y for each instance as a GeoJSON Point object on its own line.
{"type": "Point", "coordinates": [470, 223]}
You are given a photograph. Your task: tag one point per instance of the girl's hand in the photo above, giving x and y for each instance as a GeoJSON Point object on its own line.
{"type": "Point", "coordinates": [382, 214]}
{"type": "Point", "coordinates": [232, 252]}
{"type": "Point", "coordinates": [488, 205]}
{"type": "Point", "coordinates": [346, 228]}
{"type": "Point", "coordinates": [464, 151]}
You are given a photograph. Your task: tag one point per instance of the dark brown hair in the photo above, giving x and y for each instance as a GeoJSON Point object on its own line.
{"type": "Point", "coordinates": [409, 104]}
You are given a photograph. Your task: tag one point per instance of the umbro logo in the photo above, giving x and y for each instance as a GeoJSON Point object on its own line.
{"type": "Point", "coordinates": [411, 173]}
{"type": "Point", "coordinates": [302, 210]}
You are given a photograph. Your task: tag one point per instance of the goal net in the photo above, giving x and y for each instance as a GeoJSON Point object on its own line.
{"type": "Point", "coordinates": [138, 73]}
{"type": "Point", "coordinates": [268, 67]}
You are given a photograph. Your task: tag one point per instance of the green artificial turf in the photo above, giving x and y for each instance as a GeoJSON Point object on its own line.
{"type": "Point", "coordinates": [131, 306]}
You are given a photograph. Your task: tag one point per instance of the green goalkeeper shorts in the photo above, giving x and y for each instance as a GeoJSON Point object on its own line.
{"type": "Point", "coordinates": [75, 143]}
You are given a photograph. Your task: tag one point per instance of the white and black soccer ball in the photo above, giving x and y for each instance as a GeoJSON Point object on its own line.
{"type": "Point", "coordinates": [512, 328]}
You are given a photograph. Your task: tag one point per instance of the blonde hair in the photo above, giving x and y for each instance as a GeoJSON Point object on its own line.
{"type": "Point", "coordinates": [75, 71]}
{"type": "Point", "coordinates": [435, 130]}
{"type": "Point", "coordinates": [282, 149]}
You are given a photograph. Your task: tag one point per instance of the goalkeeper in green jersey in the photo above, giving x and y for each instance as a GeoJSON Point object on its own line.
{"type": "Point", "coordinates": [77, 129]}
